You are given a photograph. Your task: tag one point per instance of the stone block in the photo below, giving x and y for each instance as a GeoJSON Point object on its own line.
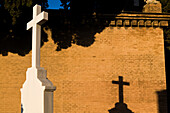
{"type": "Point", "coordinates": [155, 23]}
{"type": "Point", "coordinates": [148, 23]}
{"type": "Point", "coordinates": [112, 23]}
{"type": "Point", "coordinates": [141, 23]}
{"type": "Point", "coordinates": [126, 23]}
{"type": "Point", "coordinates": [163, 23]}
{"type": "Point", "coordinates": [119, 22]}
{"type": "Point", "coordinates": [153, 7]}
{"type": "Point", "coordinates": [134, 22]}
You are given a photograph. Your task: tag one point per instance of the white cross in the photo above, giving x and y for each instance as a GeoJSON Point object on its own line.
{"type": "Point", "coordinates": [38, 19]}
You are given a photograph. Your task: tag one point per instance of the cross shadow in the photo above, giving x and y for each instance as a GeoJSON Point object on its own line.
{"type": "Point", "coordinates": [120, 107]}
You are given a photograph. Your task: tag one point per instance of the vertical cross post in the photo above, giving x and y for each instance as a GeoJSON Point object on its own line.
{"type": "Point", "coordinates": [38, 19]}
{"type": "Point", "coordinates": [121, 83]}
{"type": "Point", "coordinates": [37, 90]}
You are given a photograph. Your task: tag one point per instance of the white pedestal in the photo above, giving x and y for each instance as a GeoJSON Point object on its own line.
{"type": "Point", "coordinates": [37, 92]}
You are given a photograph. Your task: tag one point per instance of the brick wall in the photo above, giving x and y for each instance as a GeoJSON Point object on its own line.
{"type": "Point", "coordinates": [83, 75]}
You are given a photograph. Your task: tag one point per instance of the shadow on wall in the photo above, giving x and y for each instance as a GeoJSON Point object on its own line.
{"type": "Point", "coordinates": [16, 38]}
{"type": "Point", "coordinates": [20, 44]}
{"type": "Point", "coordinates": [80, 24]}
{"type": "Point", "coordinates": [77, 25]}
{"type": "Point", "coordinates": [162, 101]}
{"type": "Point", "coordinates": [167, 65]}
{"type": "Point", "coordinates": [80, 29]}
{"type": "Point", "coordinates": [120, 107]}
{"type": "Point", "coordinates": [65, 31]}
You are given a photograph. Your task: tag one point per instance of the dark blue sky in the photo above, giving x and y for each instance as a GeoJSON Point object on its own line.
{"type": "Point", "coordinates": [54, 4]}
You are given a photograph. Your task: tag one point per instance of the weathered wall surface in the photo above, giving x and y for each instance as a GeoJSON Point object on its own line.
{"type": "Point", "coordinates": [83, 75]}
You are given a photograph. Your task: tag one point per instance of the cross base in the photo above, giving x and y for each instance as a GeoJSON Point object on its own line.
{"type": "Point", "coordinates": [120, 108]}
{"type": "Point", "coordinates": [37, 92]}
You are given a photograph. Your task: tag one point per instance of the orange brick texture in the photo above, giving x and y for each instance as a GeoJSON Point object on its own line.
{"type": "Point", "coordinates": [83, 75]}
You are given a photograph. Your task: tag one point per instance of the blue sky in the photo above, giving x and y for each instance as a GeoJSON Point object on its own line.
{"type": "Point", "coordinates": [54, 4]}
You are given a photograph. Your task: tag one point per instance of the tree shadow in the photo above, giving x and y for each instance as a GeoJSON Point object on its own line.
{"type": "Point", "coordinates": [80, 24]}
{"type": "Point", "coordinates": [18, 43]}
{"type": "Point", "coordinates": [162, 101]}
{"type": "Point", "coordinates": [69, 29]}
{"type": "Point", "coordinates": [15, 38]}
{"type": "Point", "coordinates": [120, 107]}
{"type": "Point", "coordinates": [75, 26]}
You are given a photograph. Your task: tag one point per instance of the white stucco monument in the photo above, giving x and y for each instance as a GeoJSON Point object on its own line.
{"type": "Point", "coordinates": [37, 90]}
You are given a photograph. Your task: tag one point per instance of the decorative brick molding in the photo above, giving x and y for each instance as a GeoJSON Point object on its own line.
{"type": "Point", "coordinates": [140, 20]}
{"type": "Point", "coordinates": [139, 23]}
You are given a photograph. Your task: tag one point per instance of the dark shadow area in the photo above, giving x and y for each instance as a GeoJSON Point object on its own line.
{"type": "Point", "coordinates": [15, 38]}
{"type": "Point", "coordinates": [105, 6]}
{"type": "Point", "coordinates": [22, 108]}
{"type": "Point", "coordinates": [80, 24]}
{"type": "Point", "coordinates": [167, 65]}
{"type": "Point", "coordinates": [18, 42]}
{"type": "Point", "coordinates": [120, 107]}
{"type": "Point", "coordinates": [69, 29]}
{"type": "Point", "coordinates": [162, 101]}
{"type": "Point", "coordinates": [77, 25]}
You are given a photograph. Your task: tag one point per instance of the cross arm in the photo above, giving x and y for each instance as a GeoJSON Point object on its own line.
{"type": "Point", "coordinates": [115, 82]}
{"type": "Point", "coordinates": [118, 82]}
{"type": "Point", "coordinates": [40, 19]}
{"type": "Point", "coordinates": [126, 83]}
{"type": "Point", "coordinates": [44, 16]}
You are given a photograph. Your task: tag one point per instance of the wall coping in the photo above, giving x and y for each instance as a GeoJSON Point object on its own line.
{"type": "Point", "coordinates": [138, 19]}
